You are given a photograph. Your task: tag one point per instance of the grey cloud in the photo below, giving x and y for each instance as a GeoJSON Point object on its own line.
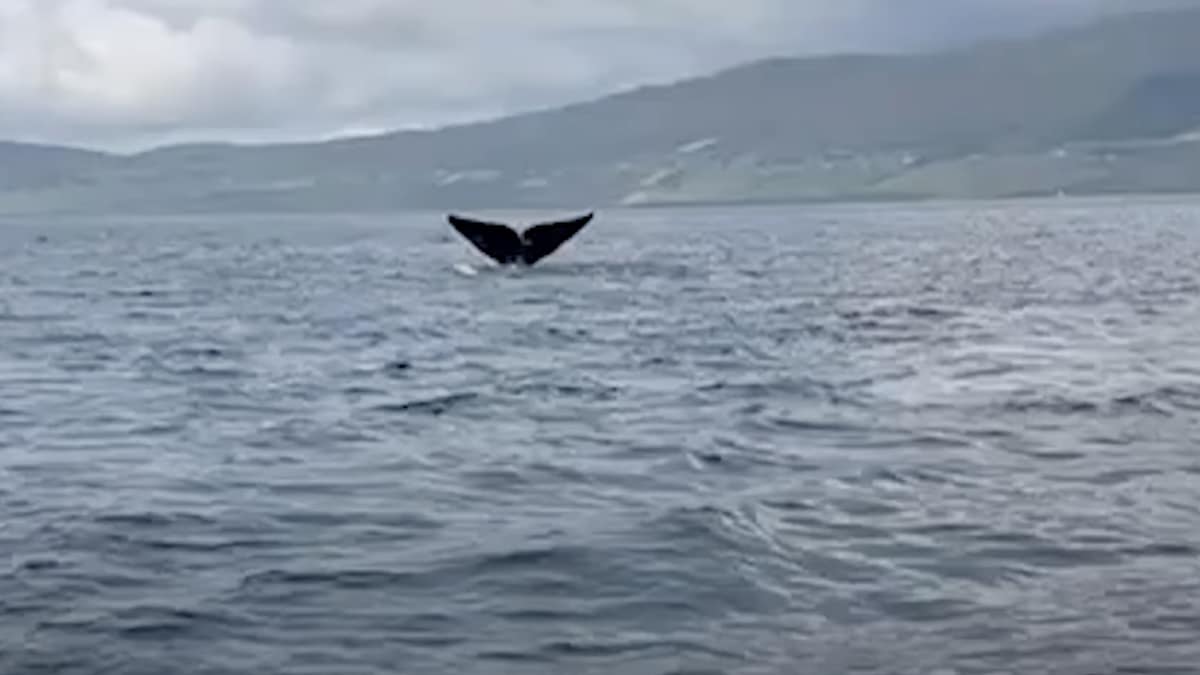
{"type": "Point", "coordinates": [121, 72]}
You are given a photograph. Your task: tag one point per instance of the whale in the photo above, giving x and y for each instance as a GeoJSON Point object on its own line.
{"type": "Point", "coordinates": [503, 244]}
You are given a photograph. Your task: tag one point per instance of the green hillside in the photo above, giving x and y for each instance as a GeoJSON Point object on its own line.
{"type": "Point", "coordinates": [1110, 107]}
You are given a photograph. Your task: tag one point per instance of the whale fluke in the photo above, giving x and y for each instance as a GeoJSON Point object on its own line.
{"type": "Point", "coordinates": [502, 243]}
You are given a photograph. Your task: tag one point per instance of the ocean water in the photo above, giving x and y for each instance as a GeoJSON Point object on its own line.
{"type": "Point", "coordinates": [932, 439]}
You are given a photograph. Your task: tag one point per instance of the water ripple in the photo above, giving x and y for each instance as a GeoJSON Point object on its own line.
{"type": "Point", "coordinates": [931, 439]}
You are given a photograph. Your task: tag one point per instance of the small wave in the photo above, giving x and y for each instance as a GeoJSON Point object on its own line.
{"type": "Point", "coordinates": [398, 527]}
{"type": "Point", "coordinates": [155, 520]}
{"type": "Point", "coordinates": [792, 423]}
{"type": "Point", "coordinates": [1170, 398]}
{"type": "Point", "coordinates": [198, 352]}
{"type": "Point", "coordinates": [737, 452]}
{"type": "Point", "coordinates": [139, 293]}
{"type": "Point", "coordinates": [74, 337]}
{"type": "Point", "coordinates": [198, 361]}
{"type": "Point", "coordinates": [595, 391]}
{"type": "Point", "coordinates": [436, 406]}
{"type": "Point", "coordinates": [8, 315]}
{"type": "Point", "coordinates": [1033, 552]}
{"type": "Point", "coordinates": [162, 623]}
{"type": "Point", "coordinates": [539, 557]}
{"type": "Point", "coordinates": [900, 310]}
{"type": "Point", "coordinates": [1162, 401]}
{"type": "Point", "coordinates": [397, 368]}
{"type": "Point", "coordinates": [302, 432]}
{"type": "Point", "coordinates": [40, 564]}
{"type": "Point", "coordinates": [1113, 477]}
{"type": "Point", "coordinates": [787, 386]}
{"type": "Point", "coordinates": [349, 579]}
{"type": "Point", "coordinates": [1161, 550]}
{"type": "Point", "coordinates": [216, 544]}
{"type": "Point", "coordinates": [543, 615]}
{"type": "Point", "coordinates": [598, 649]}
{"type": "Point", "coordinates": [641, 271]}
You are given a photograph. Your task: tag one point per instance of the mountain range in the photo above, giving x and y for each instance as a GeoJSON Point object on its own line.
{"type": "Point", "coordinates": [1112, 107]}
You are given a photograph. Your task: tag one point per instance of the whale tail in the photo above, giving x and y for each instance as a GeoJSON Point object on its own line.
{"type": "Point", "coordinates": [502, 243]}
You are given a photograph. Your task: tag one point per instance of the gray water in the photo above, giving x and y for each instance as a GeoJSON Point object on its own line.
{"type": "Point", "coordinates": [921, 439]}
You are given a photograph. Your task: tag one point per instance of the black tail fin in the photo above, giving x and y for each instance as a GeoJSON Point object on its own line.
{"type": "Point", "coordinates": [543, 239]}
{"type": "Point", "coordinates": [502, 243]}
{"type": "Point", "coordinates": [498, 242]}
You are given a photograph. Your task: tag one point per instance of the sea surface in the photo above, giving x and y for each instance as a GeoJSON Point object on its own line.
{"type": "Point", "coordinates": [931, 439]}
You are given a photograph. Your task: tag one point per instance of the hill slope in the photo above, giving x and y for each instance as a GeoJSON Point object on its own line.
{"type": "Point", "coordinates": [1104, 108]}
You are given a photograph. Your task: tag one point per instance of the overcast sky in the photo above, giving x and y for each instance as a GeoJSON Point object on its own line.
{"type": "Point", "coordinates": [122, 74]}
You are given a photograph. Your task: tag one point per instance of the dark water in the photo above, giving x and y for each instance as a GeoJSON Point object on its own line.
{"type": "Point", "coordinates": [941, 439]}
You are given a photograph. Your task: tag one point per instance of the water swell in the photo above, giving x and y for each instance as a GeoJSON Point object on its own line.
{"type": "Point", "coordinates": [883, 440]}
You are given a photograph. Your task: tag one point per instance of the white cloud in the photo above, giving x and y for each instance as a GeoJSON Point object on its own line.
{"type": "Point", "coordinates": [86, 67]}
{"type": "Point", "coordinates": [121, 71]}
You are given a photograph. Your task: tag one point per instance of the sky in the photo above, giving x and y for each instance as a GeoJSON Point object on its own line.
{"type": "Point", "coordinates": [129, 74]}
